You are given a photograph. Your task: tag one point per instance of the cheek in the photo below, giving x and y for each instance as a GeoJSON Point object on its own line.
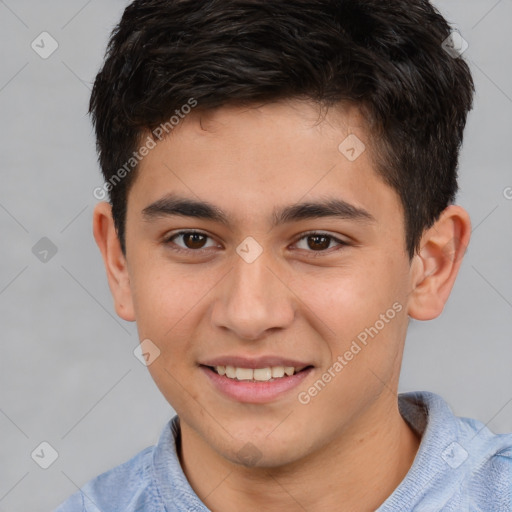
{"type": "Point", "coordinates": [345, 298]}
{"type": "Point", "coordinates": [163, 294]}
{"type": "Point", "coordinates": [167, 303]}
{"type": "Point", "coordinates": [357, 309]}
{"type": "Point", "coordinates": [170, 301]}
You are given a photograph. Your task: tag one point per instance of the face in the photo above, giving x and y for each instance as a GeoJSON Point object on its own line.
{"type": "Point", "coordinates": [252, 277]}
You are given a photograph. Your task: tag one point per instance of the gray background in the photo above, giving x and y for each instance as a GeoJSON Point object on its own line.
{"type": "Point", "coordinates": [68, 375]}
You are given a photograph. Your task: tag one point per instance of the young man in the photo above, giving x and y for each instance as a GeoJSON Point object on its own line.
{"type": "Point", "coordinates": [281, 179]}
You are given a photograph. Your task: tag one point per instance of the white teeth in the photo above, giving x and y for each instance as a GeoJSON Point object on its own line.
{"type": "Point", "coordinates": [244, 374]}
{"type": "Point", "coordinates": [277, 372]}
{"type": "Point", "coordinates": [257, 374]}
{"type": "Point", "coordinates": [262, 374]}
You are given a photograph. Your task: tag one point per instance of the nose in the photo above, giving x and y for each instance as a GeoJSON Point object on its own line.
{"type": "Point", "coordinates": [253, 299]}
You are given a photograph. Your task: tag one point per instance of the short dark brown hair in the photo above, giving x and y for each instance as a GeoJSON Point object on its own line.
{"type": "Point", "coordinates": [384, 57]}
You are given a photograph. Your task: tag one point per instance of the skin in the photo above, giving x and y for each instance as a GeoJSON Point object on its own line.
{"type": "Point", "coordinates": [349, 443]}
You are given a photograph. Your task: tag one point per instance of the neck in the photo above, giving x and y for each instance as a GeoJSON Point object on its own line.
{"type": "Point", "coordinates": [360, 470]}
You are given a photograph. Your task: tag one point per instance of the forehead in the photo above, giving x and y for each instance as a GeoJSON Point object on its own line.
{"type": "Point", "coordinates": [251, 159]}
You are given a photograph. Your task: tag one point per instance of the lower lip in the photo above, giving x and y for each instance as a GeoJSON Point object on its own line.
{"type": "Point", "coordinates": [255, 392]}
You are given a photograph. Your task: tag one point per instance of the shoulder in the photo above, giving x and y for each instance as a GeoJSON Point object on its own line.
{"type": "Point", "coordinates": [460, 465]}
{"type": "Point", "coordinates": [481, 464]}
{"type": "Point", "coordinates": [488, 476]}
{"type": "Point", "coordinates": [127, 487]}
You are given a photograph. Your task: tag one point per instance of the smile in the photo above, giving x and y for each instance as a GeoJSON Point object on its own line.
{"type": "Point", "coordinates": [255, 385]}
{"type": "Point", "coordinates": [257, 374]}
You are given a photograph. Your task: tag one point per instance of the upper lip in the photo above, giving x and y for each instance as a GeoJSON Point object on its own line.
{"type": "Point", "coordinates": [254, 362]}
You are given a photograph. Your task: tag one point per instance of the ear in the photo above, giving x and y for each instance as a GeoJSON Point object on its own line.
{"type": "Point", "coordinates": [437, 264]}
{"type": "Point", "coordinates": [115, 262]}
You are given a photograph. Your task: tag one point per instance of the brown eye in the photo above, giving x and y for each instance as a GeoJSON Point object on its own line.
{"type": "Point", "coordinates": [191, 241]}
{"type": "Point", "coordinates": [319, 242]}
{"type": "Point", "coordinates": [315, 242]}
{"type": "Point", "coordinates": [194, 240]}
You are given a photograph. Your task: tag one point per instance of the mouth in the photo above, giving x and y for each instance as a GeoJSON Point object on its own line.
{"type": "Point", "coordinates": [257, 385]}
{"type": "Point", "coordinates": [266, 374]}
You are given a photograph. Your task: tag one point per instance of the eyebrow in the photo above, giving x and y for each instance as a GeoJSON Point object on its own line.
{"type": "Point", "coordinates": [174, 205]}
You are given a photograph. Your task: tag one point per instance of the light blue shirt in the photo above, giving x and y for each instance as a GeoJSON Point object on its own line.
{"type": "Point", "coordinates": [461, 466]}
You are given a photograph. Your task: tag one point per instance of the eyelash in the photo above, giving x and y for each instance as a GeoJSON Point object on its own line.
{"type": "Point", "coordinates": [169, 240]}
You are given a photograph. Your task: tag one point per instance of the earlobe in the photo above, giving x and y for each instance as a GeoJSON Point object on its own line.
{"type": "Point", "coordinates": [114, 260]}
{"type": "Point", "coordinates": [435, 267]}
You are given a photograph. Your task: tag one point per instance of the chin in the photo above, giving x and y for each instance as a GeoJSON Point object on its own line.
{"type": "Point", "coordinates": [259, 451]}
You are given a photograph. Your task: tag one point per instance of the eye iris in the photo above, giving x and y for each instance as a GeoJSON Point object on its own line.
{"type": "Point", "coordinates": [195, 244]}
{"type": "Point", "coordinates": [318, 245]}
